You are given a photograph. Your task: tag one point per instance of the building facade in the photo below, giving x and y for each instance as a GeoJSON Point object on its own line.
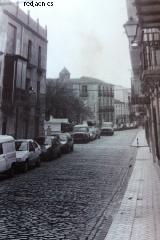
{"type": "Point", "coordinates": [122, 105]}
{"type": "Point", "coordinates": [98, 96]}
{"type": "Point", "coordinates": [121, 111]}
{"type": "Point", "coordinates": [148, 43]}
{"type": "Point", "coordinates": [23, 52]}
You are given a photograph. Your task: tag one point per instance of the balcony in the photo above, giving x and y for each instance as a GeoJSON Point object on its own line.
{"type": "Point", "coordinates": [8, 83]}
{"type": "Point", "coordinates": [136, 100]}
{"type": "Point", "coordinates": [84, 94]}
{"type": "Point", "coordinates": [30, 65]}
{"type": "Point", "coordinates": [151, 74]}
{"type": "Point", "coordinates": [106, 109]}
{"type": "Point", "coordinates": [41, 102]}
{"type": "Point", "coordinates": [148, 12]}
{"type": "Point", "coordinates": [150, 55]}
{"type": "Point", "coordinates": [106, 94]}
{"type": "Point", "coordinates": [30, 99]}
{"type": "Point", "coordinates": [40, 69]}
{"type": "Point", "coordinates": [25, 98]}
{"type": "Point", "coordinates": [7, 101]}
{"type": "Point", "coordinates": [110, 108]}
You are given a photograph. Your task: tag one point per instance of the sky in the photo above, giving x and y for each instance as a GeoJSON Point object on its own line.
{"type": "Point", "coordinates": [87, 37]}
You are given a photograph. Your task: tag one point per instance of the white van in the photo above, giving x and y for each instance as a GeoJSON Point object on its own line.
{"type": "Point", "coordinates": [7, 154]}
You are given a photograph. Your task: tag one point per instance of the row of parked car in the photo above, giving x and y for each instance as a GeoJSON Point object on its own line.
{"type": "Point", "coordinates": [23, 154]}
{"type": "Point", "coordinates": [84, 133]}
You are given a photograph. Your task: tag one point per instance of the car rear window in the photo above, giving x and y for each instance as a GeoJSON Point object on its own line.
{"type": "Point", "coordinates": [80, 129]}
{"type": "Point", "coordinates": [21, 146]}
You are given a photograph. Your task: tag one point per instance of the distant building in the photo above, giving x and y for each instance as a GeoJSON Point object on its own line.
{"type": "Point", "coordinates": [122, 104]}
{"type": "Point", "coordinates": [121, 112]}
{"type": "Point", "coordinates": [23, 52]}
{"type": "Point", "coordinates": [98, 96]}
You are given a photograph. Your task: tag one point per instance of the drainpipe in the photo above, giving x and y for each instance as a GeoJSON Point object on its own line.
{"type": "Point", "coordinates": [158, 121]}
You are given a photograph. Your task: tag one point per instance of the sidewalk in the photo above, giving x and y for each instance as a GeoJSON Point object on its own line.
{"type": "Point", "coordinates": [141, 139]}
{"type": "Point", "coordinates": [139, 215]}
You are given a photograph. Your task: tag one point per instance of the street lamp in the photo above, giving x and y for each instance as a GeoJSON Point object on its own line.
{"type": "Point", "coordinates": [131, 28]}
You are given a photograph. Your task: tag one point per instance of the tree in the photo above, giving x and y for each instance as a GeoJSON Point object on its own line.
{"type": "Point", "coordinates": [61, 102]}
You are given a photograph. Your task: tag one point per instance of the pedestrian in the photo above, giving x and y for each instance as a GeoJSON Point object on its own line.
{"type": "Point", "coordinates": [137, 142]}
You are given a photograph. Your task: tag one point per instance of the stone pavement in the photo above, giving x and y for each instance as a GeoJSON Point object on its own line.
{"type": "Point", "coordinates": [139, 213]}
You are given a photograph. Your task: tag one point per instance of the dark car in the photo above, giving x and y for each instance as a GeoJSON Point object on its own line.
{"type": "Point", "coordinates": [107, 131]}
{"type": "Point", "coordinates": [50, 146]}
{"type": "Point", "coordinates": [67, 144]}
{"type": "Point", "coordinates": [81, 134]}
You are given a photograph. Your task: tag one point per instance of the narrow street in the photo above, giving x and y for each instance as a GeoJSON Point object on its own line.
{"type": "Point", "coordinates": [70, 197]}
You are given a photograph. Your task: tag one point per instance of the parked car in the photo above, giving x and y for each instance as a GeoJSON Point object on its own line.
{"type": "Point", "coordinates": [50, 146]}
{"type": "Point", "coordinates": [7, 154]}
{"type": "Point", "coordinates": [98, 133]}
{"type": "Point", "coordinates": [92, 133]}
{"type": "Point", "coordinates": [81, 134]}
{"type": "Point", "coordinates": [107, 131]}
{"type": "Point", "coordinates": [115, 127]}
{"type": "Point", "coordinates": [27, 154]}
{"type": "Point", "coordinates": [67, 143]}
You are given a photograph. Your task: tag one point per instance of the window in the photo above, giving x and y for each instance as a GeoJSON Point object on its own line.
{"type": "Point", "coordinates": [35, 145]}
{"type": "Point", "coordinates": [80, 129]}
{"type": "Point", "coordinates": [100, 91]}
{"type": "Point", "coordinates": [11, 39]}
{"type": "Point", "coordinates": [21, 146]}
{"type": "Point", "coordinates": [84, 91]}
{"type": "Point", "coordinates": [84, 88]}
{"type": "Point", "coordinates": [21, 74]}
{"type": "Point", "coordinates": [28, 84]}
{"type": "Point", "coordinates": [31, 147]}
{"type": "Point", "coordinates": [29, 50]}
{"type": "Point", "coordinates": [104, 92]}
{"type": "Point", "coordinates": [39, 56]}
{"type": "Point", "coordinates": [38, 88]}
{"type": "Point", "coordinates": [8, 147]}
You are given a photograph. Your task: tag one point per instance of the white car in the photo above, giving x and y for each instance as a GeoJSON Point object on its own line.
{"type": "Point", "coordinates": [7, 154]}
{"type": "Point", "coordinates": [27, 154]}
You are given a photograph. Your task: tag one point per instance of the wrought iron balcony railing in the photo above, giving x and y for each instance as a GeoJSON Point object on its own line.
{"type": "Point", "coordinates": [150, 52]}
{"type": "Point", "coordinates": [106, 109]}
{"type": "Point", "coordinates": [84, 94]}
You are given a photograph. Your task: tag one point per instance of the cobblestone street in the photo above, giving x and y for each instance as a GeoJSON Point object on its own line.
{"type": "Point", "coordinates": [67, 198]}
